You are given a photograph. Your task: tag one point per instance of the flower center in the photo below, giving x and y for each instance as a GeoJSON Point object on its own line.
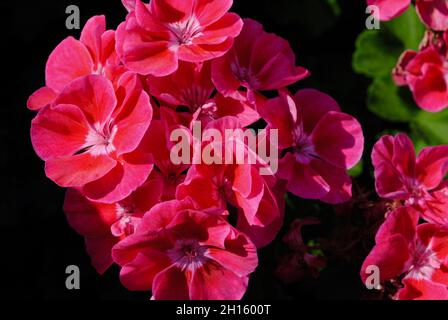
{"type": "Point", "coordinates": [424, 262]}
{"type": "Point", "coordinates": [244, 75]}
{"type": "Point", "coordinates": [126, 221]}
{"type": "Point", "coordinates": [99, 139]}
{"type": "Point", "coordinates": [183, 32]}
{"type": "Point", "coordinates": [417, 192]}
{"type": "Point", "coordinates": [303, 148]}
{"type": "Point", "coordinates": [195, 97]}
{"type": "Point", "coordinates": [188, 254]}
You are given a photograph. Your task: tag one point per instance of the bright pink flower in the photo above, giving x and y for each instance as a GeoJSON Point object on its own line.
{"type": "Point", "coordinates": [180, 253]}
{"type": "Point", "coordinates": [157, 142]}
{"type": "Point", "coordinates": [157, 35]}
{"type": "Point", "coordinates": [319, 143]}
{"type": "Point", "coordinates": [434, 13]}
{"type": "Point", "coordinates": [257, 61]}
{"type": "Point", "coordinates": [426, 74]}
{"type": "Point", "coordinates": [417, 182]}
{"type": "Point", "coordinates": [416, 254]}
{"type": "Point", "coordinates": [104, 225]}
{"type": "Point", "coordinates": [89, 137]}
{"type": "Point", "coordinates": [190, 91]}
{"type": "Point", "coordinates": [239, 186]}
{"type": "Point", "coordinates": [94, 53]}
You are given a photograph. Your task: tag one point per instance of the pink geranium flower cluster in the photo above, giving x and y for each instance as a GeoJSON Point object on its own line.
{"type": "Point", "coordinates": [105, 115]}
{"type": "Point", "coordinates": [424, 71]}
{"type": "Point", "coordinates": [412, 256]}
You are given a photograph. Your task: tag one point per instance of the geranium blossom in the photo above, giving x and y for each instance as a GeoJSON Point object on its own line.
{"type": "Point", "coordinates": [257, 61]}
{"type": "Point", "coordinates": [93, 53]}
{"type": "Point", "coordinates": [169, 174]}
{"type": "Point", "coordinates": [416, 254]}
{"type": "Point", "coordinates": [192, 89]}
{"type": "Point", "coordinates": [103, 225]}
{"type": "Point", "coordinates": [415, 181]}
{"type": "Point", "coordinates": [319, 143]}
{"type": "Point", "coordinates": [157, 35]}
{"type": "Point", "coordinates": [434, 13]}
{"type": "Point", "coordinates": [150, 127]}
{"type": "Point", "coordinates": [89, 138]}
{"type": "Point", "coordinates": [239, 186]}
{"type": "Point", "coordinates": [426, 73]}
{"type": "Point", "coordinates": [181, 253]}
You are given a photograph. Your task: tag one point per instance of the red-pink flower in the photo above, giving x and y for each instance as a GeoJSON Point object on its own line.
{"type": "Point", "coordinates": [416, 254]}
{"type": "Point", "coordinates": [94, 53]}
{"type": "Point", "coordinates": [190, 91]}
{"type": "Point", "coordinates": [180, 253]}
{"type": "Point", "coordinates": [157, 35]}
{"type": "Point", "coordinates": [239, 186]}
{"type": "Point", "coordinates": [157, 142]}
{"type": "Point", "coordinates": [257, 61]}
{"type": "Point", "coordinates": [426, 74]}
{"type": "Point", "coordinates": [89, 137]}
{"type": "Point", "coordinates": [417, 182]}
{"type": "Point", "coordinates": [319, 144]}
{"type": "Point", "coordinates": [103, 225]}
{"type": "Point", "coordinates": [434, 13]}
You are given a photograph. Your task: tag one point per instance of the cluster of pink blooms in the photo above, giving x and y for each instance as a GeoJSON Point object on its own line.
{"type": "Point", "coordinates": [411, 256]}
{"type": "Point", "coordinates": [103, 127]}
{"type": "Point", "coordinates": [424, 71]}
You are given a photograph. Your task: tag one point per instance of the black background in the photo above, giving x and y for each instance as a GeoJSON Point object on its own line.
{"type": "Point", "coordinates": [36, 242]}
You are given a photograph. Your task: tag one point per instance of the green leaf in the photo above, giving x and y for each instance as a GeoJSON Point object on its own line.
{"type": "Point", "coordinates": [408, 28]}
{"type": "Point", "coordinates": [432, 126]}
{"type": "Point", "coordinates": [376, 54]}
{"type": "Point", "coordinates": [334, 5]}
{"type": "Point", "coordinates": [356, 171]}
{"type": "Point", "coordinates": [386, 101]}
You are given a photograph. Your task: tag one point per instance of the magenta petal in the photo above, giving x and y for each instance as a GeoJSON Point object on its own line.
{"type": "Point", "coordinates": [303, 180]}
{"type": "Point", "coordinates": [59, 131]}
{"type": "Point", "coordinates": [401, 221]}
{"type": "Point", "coordinates": [338, 180]}
{"type": "Point", "coordinates": [432, 166]}
{"type": "Point", "coordinates": [141, 273]}
{"type": "Point", "coordinates": [133, 127]}
{"type": "Point", "coordinates": [91, 36]}
{"type": "Point", "coordinates": [120, 182]}
{"type": "Point", "coordinates": [389, 9]}
{"type": "Point", "coordinates": [434, 13]}
{"type": "Point", "coordinates": [78, 170]}
{"type": "Point", "coordinates": [388, 179]}
{"type": "Point", "coordinates": [90, 219]}
{"type": "Point", "coordinates": [68, 61]}
{"type": "Point", "coordinates": [422, 289]}
{"type": "Point", "coordinates": [338, 139]}
{"type": "Point", "coordinates": [99, 250]}
{"type": "Point", "coordinates": [214, 283]}
{"type": "Point", "coordinates": [431, 89]}
{"type": "Point", "coordinates": [170, 284]}
{"type": "Point", "coordinates": [93, 94]}
{"type": "Point", "coordinates": [41, 98]}
{"type": "Point", "coordinates": [240, 255]}
{"type": "Point", "coordinates": [390, 256]}
{"type": "Point", "coordinates": [314, 105]}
